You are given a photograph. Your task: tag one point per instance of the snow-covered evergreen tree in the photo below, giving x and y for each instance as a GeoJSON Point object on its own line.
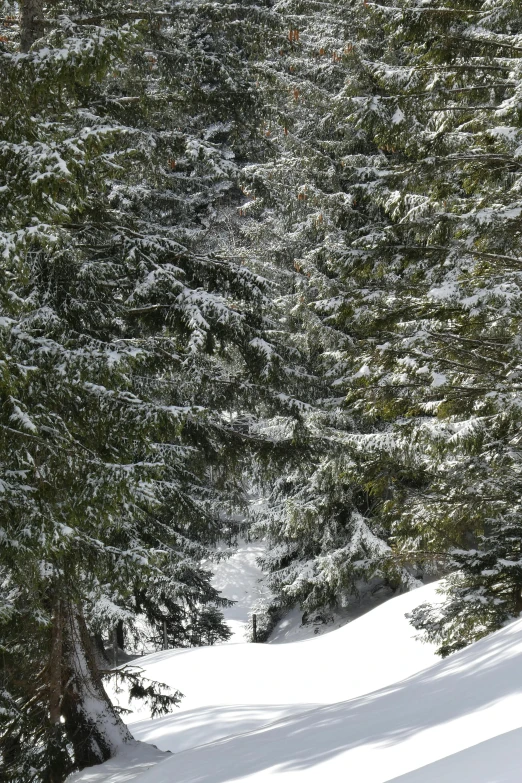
{"type": "Point", "coordinates": [388, 212]}
{"type": "Point", "coordinates": [440, 357]}
{"type": "Point", "coordinates": [128, 344]}
{"type": "Point", "coordinates": [305, 222]}
{"type": "Point", "coordinates": [483, 591]}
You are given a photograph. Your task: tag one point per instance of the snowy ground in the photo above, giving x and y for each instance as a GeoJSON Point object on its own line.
{"type": "Point", "coordinates": [240, 579]}
{"type": "Point", "coordinates": [366, 702]}
{"type": "Point", "coordinates": [235, 688]}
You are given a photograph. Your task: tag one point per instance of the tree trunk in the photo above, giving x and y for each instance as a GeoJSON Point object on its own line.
{"type": "Point", "coordinates": [55, 665]}
{"type": "Point", "coordinates": [58, 762]}
{"type": "Point", "coordinates": [32, 23]}
{"type": "Point", "coordinates": [120, 635]}
{"type": "Point", "coordinates": [114, 646]}
{"type": "Point", "coordinates": [99, 649]}
{"type": "Point", "coordinates": [518, 599]}
{"type": "Point", "coordinates": [94, 729]}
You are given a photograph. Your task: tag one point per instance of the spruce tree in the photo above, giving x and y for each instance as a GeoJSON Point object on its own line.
{"type": "Point", "coordinates": [439, 360]}
{"type": "Point", "coordinates": [306, 220]}
{"type": "Point", "coordinates": [129, 342]}
{"type": "Point", "coordinates": [388, 212]}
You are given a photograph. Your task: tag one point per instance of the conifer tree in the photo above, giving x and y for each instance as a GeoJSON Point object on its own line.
{"type": "Point", "coordinates": [390, 210]}
{"type": "Point", "coordinates": [439, 360]}
{"type": "Point", "coordinates": [126, 341]}
{"type": "Point", "coordinates": [306, 220]}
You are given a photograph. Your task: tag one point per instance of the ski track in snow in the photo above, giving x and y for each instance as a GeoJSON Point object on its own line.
{"type": "Point", "coordinates": [366, 702]}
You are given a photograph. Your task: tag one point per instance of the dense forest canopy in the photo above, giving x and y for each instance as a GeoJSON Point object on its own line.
{"type": "Point", "coordinates": [264, 251]}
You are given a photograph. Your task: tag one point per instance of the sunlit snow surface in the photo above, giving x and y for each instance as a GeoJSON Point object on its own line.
{"type": "Point", "coordinates": [240, 579]}
{"type": "Point", "coordinates": [365, 703]}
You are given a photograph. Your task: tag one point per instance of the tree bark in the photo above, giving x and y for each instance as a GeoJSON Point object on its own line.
{"type": "Point", "coordinates": [93, 727]}
{"type": "Point", "coordinates": [99, 649]}
{"type": "Point", "coordinates": [55, 665]}
{"type": "Point", "coordinates": [518, 599]}
{"type": "Point", "coordinates": [32, 23]}
{"type": "Point", "coordinates": [120, 634]}
{"type": "Point", "coordinates": [115, 646]}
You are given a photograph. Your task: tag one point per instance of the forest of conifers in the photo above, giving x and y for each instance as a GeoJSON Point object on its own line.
{"type": "Point", "coordinates": [260, 275]}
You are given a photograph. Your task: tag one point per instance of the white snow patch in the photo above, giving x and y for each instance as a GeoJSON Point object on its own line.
{"type": "Point", "coordinates": [240, 579]}
{"type": "Point", "coordinates": [235, 688]}
{"type": "Point", "coordinates": [439, 379]}
{"type": "Point", "coordinates": [366, 702]}
{"type": "Point", "coordinates": [457, 720]}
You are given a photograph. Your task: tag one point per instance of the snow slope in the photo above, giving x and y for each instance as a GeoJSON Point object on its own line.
{"type": "Point", "coordinates": [128, 765]}
{"type": "Point", "coordinates": [366, 702]}
{"type": "Point", "coordinates": [236, 688]}
{"type": "Point", "coordinates": [459, 720]}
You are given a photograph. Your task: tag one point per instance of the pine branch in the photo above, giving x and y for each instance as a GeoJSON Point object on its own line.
{"type": "Point", "coordinates": [486, 42]}
{"type": "Point", "coordinates": [445, 249]}
{"type": "Point", "coordinates": [419, 11]}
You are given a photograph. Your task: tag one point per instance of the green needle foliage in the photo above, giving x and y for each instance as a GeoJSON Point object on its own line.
{"type": "Point", "coordinates": [441, 355]}
{"type": "Point", "coordinates": [249, 247]}
{"type": "Point", "coordinates": [307, 222]}
{"type": "Point", "coordinates": [129, 347]}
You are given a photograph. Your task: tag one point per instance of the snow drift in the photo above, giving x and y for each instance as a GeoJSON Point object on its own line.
{"type": "Point", "coordinates": [234, 688]}
{"type": "Point", "coordinates": [459, 720]}
{"type": "Point", "coordinates": [365, 703]}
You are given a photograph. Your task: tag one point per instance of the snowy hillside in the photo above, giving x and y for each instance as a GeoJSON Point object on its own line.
{"type": "Point", "coordinates": [235, 688]}
{"type": "Point", "coordinates": [358, 703]}
{"type": "Point", "coordinates": [459, 720]}
{"type": "Point", "coordinates": [238, 688]}
{"type": "Point", "coordinates": [366, 702]}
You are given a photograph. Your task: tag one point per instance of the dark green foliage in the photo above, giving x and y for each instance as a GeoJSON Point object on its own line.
{"type": "Point", "coordinates": [484, 592]}
{"type": "Point", "coordinates": [389, 211]}
{"type": "Point", "coordinates": [250, 247]}
{"type": "Point", "coordinates": [441, 312]}
{"type": "Point", "coordinates": [156, 695]}
{"type": "Point", "coordinates": [129, 344]}
{"type": "Point", "coordinates": [308, 220]}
